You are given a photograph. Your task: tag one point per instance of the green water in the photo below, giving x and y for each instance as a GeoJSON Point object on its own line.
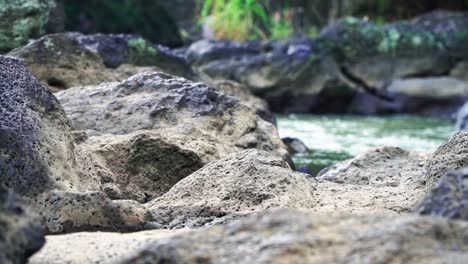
{"type": "Point", "coordinates": [335, 138]}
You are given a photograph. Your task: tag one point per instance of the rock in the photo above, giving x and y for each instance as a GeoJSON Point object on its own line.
{"type": "Point", "coordinates": [382, 166]}
{"type": "Point", "coordinates": [381, 180]}
{"type": "Point", "coordinates": [295, 145]}
{"type": "Point", "coordinates": [23, 20]}
{"type": "Point", "coordinates": [242, 183]}
{"type": "Point", "coordinates": [146, 164]}
{"type": "Point", "coordinates": [61, 61]}
{"type": "Point", "coordinates": [462, 118]}
{"type": "Point", "coordinates": [449, 198]}
{"type": "Point", "coordinates": [449, 156]}
{"type": "Point", "coordinates": [66, 212]}
{"type": "Point", "coordinates": [460, 71]}
{"type": "Point", "coordinates": [37, 153]}
{"type": "Point", "coordinates": [40, 161]}
{"type": "Point", "coordinates": [329, 73]}
{"type": "Point", "coordinates": [152, 101]}
{"type": "Point", "coordinates": [100, 247]}
{"type": "Point", "coordinates": [271, 237]}
{"type": "Point", "coordinates": [20, 234]}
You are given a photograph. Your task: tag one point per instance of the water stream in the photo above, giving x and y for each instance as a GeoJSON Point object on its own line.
{"type": "Point", "coordinates": [335, 138]}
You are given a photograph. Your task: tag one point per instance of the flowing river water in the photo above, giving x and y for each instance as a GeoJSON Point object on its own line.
{"type": "Point", "coordinates": [335, 138]}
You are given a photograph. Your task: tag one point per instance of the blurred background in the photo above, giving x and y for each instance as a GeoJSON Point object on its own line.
{"type": "Point", "coordinates": [178, 22]}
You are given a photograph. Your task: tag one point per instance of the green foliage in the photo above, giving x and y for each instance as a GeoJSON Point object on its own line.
{"type": "Point", "coordinates": [235, 19]}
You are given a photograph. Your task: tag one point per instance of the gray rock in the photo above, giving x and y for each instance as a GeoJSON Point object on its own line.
{"type": "Point", "coordinates": [233, 187]}
{"type": "Point", "coordinates": [284, 236]}
{"type": "Point", "coordinates": [462, 118]}
{"type": "Point", "coordinates": [20, 234]}
{"type": "Point", "coordinates": [449, 156]}
{"type": "Point", "coordinates": [36, 147]}
{"type": "Point", "coordinates": [449, 198]}
{"type": "Point", "coordinates": [152, 101]}
{"type": "Point", "coordinates": [295, 145]}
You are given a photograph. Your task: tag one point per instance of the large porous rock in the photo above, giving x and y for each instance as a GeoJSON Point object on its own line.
{"type": "Point", "coordinates": [151, 101]}
{"type": "Point", "coordinates": [38, 157]}
{"type": "Point", "coordinates": [36, 147]}
{"type": "Point", "coordinates": [383, 179]}
{"type": "Point", "coordinates": [232, 187]}
{"type": "Point", "coordinates": [20, 234]}
{"type": "Point", "coordinates": [350, 58]}
{"type": "Point", "coordinates": [22, 20]}
{"type": "Point", "coordinates": [284, 236]}
{"type": "Point", "coordinates": [449, 198]}
{"type": "Point", "coordinates": [66, 60]}
{"type": "Point", "coordinates": [449, 156]}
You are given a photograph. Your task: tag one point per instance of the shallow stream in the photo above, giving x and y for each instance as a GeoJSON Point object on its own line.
{"type": "Point", "coordinates": [334, 138]}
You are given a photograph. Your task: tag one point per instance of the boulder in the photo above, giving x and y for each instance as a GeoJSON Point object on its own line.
{"type": "Point", "coordinates": [152, 101]}
{"type": "Point", "coordinates": [285, 236]}
{"type": "Point", "coordinates": [295, 145]}
{"type": "Point", "coordinates": [20, 234]}
{"type": "Point", "coordinates": [26, 19]}
{"type": "Point", "coordinates": [36, 147]}
{"type": "Point", "coordinates": [235, 186]}
{"type": "Point", "coordinates": [449, 197]}
{"type": "Point", "coordinates": [38, 157]}
{"type": "Point", "coordinates": [381, 180]}
{"type": "Point", "coordinates": [449, 156]}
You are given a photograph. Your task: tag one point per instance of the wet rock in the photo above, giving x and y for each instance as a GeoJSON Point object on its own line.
{"type": "Point", "coordinates": [313, 238]}
{"type": "Point", "coordinates": [152, 101]}
{"type": "Point", "coordinates": [295, 145]}
{"type": "Point", "coordinates": [36, 147]}
{"type": "Point", "coordinates": [233, 187]}
{"type": "Point", "coordinates": [25, 19]}
{"type": "Point", "coordinates": [449, 197]}
{"type": "Point", "coordinates": [20, 234]}
{"type": "Point", "coordinates": [449, 156]}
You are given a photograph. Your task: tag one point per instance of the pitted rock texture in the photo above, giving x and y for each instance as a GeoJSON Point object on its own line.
{"type": "Point", "coordinates": [65, 212]}
{"type": "Point", "coordinates": [20, 234]}
{"type": "Point", "coordinates": [242, 183]}
{"type": "Point", "coordinates": [285, 236]}
{"type": "Point", "coordinates": [380, 180]}
{"type": "Point", "coordinates": [146, 164]}
{"type": "Point", "coordinates": [381, 166]}
{"type": "Point", "coordinates": [449, 198]}
{"type": "Point", "coordinates": [36, 148]}
{"type": "Point", "coordinates": [151, 101]}
{"type": "Point", "coordinates": [449, 156]}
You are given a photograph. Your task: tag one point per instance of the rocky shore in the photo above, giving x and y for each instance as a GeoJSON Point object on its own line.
{"type": "Point", "coordinates": [116, 150]}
